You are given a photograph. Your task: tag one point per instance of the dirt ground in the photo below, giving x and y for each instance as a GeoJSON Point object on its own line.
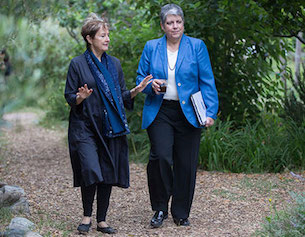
{"type": "Point", "coordinates": [225, 204]}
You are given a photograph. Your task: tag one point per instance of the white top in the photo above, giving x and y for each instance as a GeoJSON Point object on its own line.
{"type": "Point", "coordinates": [171, 90]}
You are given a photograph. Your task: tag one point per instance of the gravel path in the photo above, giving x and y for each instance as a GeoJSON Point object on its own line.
{"type": "Point", "coordinates": [225, 204]}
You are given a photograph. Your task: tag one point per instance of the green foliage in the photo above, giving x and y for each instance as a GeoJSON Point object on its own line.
{"type": "Point", "coordinates": [289, 222]}
{"type": "Point", "coordinates": [269, 145]}
{"type": "Point", "coordinates": [294, 102]}
{"type": "Point", "coordinates": [72, 15]}
{"type": "Point", "coordinates": [39, 56]}
{"type": "Point", "coordinates": [286, 18]}
{"type": "Point", "coordinates": [34, 10]}
{"type": "Point", "coordinates": [22, 50]}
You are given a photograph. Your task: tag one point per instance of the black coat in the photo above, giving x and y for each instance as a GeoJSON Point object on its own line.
{"type": "Point", "coordinates": [94, 158]}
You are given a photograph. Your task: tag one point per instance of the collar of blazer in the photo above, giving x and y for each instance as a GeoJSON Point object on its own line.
{"type": "Point", "coordinates": [183, 49]}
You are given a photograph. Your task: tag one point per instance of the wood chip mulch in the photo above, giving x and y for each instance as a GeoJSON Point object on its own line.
{"type": "Point", "coordinates": [225, 204]}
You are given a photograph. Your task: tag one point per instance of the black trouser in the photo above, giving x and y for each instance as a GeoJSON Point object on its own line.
{"type": "Point", "coordinates": [173, 160]}
{"type": "Point", "coordinates": [103, 196]}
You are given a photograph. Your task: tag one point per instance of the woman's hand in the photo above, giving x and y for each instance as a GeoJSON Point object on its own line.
{"type": "Point", "coordinates": [209, 122]}
{"type": "Point", "coordinates": [156, 83]}
{"type": "Point", "coordinates": [83, 93]}
{"type": "Point", "coordinates": [139, 88]}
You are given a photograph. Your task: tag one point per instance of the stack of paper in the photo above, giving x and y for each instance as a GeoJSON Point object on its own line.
{"type": "Point", "coordinates": [199, 107]}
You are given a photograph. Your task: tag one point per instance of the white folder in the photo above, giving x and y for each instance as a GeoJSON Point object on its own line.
{"type": "Point", "coordinates": [199, 107]}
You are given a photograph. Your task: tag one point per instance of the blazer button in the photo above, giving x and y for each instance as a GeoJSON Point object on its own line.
{"type": "Point", "coordinates": [179, 84]}
{"type": "Point", "coordinates": [183, 102]}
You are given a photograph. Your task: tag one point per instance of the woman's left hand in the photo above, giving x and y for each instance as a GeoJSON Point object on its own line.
{"type": "Point", "coordinates": [139, 88]}
{"type": "Point", "coordinates": [209, 122]}
{"type": "Point", "coordinates": [83, 93]}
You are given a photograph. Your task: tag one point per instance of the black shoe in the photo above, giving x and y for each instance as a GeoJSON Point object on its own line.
{"type": "Point", "coordinates": [158, 218]}
{"type": "Point", "coordinates": [183, 222]}
{"type": "Point", "coordinates": [106, 230]}
{"type": "Point", "coordinates": [84, 228]}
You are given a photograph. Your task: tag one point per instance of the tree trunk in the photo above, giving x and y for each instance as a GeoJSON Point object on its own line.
{"type": "Point", "coordinates": [283, 72]}
{"type": "Point", "coordinates": [298, 58]}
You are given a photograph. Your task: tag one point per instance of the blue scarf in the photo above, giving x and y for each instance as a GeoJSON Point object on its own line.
{"type": "Point", "coordinates": [115, 122]}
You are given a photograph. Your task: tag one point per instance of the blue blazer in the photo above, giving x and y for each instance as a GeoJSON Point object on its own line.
{"type": "Point", "coordinates": [193, 73]}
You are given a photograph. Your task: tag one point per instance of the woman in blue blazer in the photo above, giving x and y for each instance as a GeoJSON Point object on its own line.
{"type": "Point", "coordinates": [174, 132]}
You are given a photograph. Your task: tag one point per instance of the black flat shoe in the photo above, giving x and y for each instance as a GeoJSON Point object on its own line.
{"type": "Point", "coordinates": [158, 219]}
{"type": "Point", "coordinates": [183, 222]}
{"type": "Point", "coordinates": [106, 230]}
{"type": "Point", "coordinates": [84, 228]}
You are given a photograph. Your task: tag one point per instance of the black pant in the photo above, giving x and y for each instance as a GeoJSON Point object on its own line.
{"type": "Point", "coordinates": [173, 160]}
{"type": "Point", "coordinates": [103, 196]}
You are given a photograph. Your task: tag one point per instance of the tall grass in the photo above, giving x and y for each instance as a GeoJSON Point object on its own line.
{"type": "Point", "coordinates": [269, 145]}
{"type": "Point", "coordinates": [296, 144]}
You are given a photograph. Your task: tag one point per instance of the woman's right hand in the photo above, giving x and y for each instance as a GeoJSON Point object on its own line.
{"type": "Point", "coordinates": [156, 83]}
{"type": "Point", "coordinates": [83, 93]}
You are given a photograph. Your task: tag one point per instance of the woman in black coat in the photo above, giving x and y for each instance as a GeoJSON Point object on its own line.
{"type": "Point", "coordinates": [96, 91]}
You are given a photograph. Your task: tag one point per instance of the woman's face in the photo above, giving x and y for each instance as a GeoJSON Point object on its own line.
{"type": "Point", "coordinates": [173, 27]}
{"type": "Point", "coordinates": [101, 40]}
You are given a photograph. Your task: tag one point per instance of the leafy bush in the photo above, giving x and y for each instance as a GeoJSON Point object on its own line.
{"type": "Point", "coordinates": [289, 223]}
{"type": "Point", "coordinates": [269, 145]}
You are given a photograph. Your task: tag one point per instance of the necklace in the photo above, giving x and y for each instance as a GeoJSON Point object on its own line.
{"type": "Point", "coordinates": [169, 67]}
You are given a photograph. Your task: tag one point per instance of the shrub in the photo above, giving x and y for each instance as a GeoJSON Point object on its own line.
{"type": "Point", "coordinates": [269, 145]}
